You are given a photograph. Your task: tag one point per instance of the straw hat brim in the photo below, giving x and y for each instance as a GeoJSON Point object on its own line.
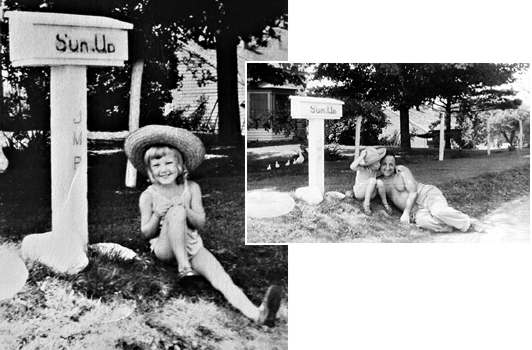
{"type": "Point", "coordinates": [373, 156]}
{"type": "Point", "coordinates": [188, 144]}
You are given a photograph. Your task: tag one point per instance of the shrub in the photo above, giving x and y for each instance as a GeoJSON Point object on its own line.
{"type": "Point", "coordinates": [195, 121]}
{"type": "Point", "coordinates": [343, 131]}
{"type": "Point", "coordinates": [332, 152]}
{"type": "Point", "coordinates": [29, 149]}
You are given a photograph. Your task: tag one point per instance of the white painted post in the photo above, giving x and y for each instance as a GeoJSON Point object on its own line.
{"type": "Point", "coordinates": [316, 171]}
{"type": "Point", "coordinates": [4, 163]}
{"type": "Point", "coordinates": [442, 136]}
{"type": "Point", "coordinates": [134, 115]}
{"type": "Point", "coordinates": [521, 134]}
{"type": "Point", "coordinates": [64, 248]}
{"type": "Point", "coordinates": [357, 137]}
{"type": "Point", "coordinates": [68, 44]}
{"type": "Point", "coordinates": [68, 127]}
{"type": "Point", "coordinates": [488, 138]}
{"type": "Point", "coordinates": [316, 110]}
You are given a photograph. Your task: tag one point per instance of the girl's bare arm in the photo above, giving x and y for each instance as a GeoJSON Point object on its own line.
{"type": "Point", "coordinates": [149, 220]}
{"type": "Point", "coordinates": [356, 161]}
{"type": "Point", "coordinates": [194, 207]}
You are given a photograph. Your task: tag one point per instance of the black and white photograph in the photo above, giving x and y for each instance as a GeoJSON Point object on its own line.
{"type": "Point", "coordinates": [388, 152]}
{"type": "Point", "coordinates": [122, 176]}
{"type": "Point", "coordinates": [198, 175]}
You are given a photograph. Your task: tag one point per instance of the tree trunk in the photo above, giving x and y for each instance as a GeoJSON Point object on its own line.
{"type": "Point", "coordinates": [448, 106]}
{"type": "Point", "coordinates": [227, 80]}
{"type": "Point", "coordinates": [134, 113]}
{"type": "Point", "coordinates": [3, 141]}
{"type": "Point", "coordinates": [2, 112]}
{"type": "Point", "coordinates": [405, 128]}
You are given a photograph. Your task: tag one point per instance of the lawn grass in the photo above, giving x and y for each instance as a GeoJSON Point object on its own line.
{"type": "Point", "coordinates": [146, 283]}
{"type": "Point", "coordinates": [474, 184]}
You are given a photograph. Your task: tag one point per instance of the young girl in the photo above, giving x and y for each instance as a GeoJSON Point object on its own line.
{"type": "Point", "coordinates": [171, 212]}
{"type": "Point", "coordinates": [366, 183]}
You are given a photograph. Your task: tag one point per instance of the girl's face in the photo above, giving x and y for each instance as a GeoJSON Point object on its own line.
{"type": "Point", "coordinates": [166, 169]}
{"type": "Point", "coordinates": [388, 166]}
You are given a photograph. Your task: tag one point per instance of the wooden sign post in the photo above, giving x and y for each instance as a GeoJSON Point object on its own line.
{"type": "Point", "coordinates": [4, 163]}
{"type": "Point", "coordinates": [521, 134]}
{"type": "Point", "coordinates": [357, 136]}
{"type": "Point", "coordinates": [488, 138]}
{"type": "Point", "coordinates": [442, 137]}
{"type": "Point", "coordinates": [315, 110]}
{"type": "Point", "coordinates": [68, 44]}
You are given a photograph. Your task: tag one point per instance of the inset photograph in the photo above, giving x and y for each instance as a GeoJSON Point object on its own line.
{"type": "Point", "coordinates": [384, 152]}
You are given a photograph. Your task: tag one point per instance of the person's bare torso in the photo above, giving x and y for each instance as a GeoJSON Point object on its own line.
{"type": "Point", "coordinates": [396, 190]}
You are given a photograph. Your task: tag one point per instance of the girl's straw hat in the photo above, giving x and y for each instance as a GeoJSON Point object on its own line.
{"type": "Point", "coordinates": [372, 155]}
{"type": "Point", "coordinates": [189, 145]}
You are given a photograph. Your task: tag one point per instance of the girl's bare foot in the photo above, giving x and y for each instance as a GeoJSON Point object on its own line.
{"type": "Point", "coordinates": [388, 209]}
{"type": "Point", "coordinates": [367, 209]}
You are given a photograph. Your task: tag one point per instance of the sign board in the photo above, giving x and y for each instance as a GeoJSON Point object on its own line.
{"type": "Point", "coordinates": [304, 107]}
{"type": "Point", "coordinates": [53, 39]}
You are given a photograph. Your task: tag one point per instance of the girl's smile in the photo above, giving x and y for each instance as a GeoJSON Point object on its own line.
{"type": "Point", "coordinates": [165, 170]}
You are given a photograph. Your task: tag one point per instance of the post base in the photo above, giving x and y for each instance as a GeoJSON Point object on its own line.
{"type": "Point", "coordinates": [58, 252]}
{"type": "Point", "coordinates": [309, 194]}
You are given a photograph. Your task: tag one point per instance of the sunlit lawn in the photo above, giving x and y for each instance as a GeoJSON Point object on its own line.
{"type": "Point", "coordinates": [471, 181]}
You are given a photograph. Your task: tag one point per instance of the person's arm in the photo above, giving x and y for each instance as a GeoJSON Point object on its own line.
{"type": "Point", "coordinates": [356, 161]}
{"type": "Point", "coordinates": [194, 207]}
{"type": "Point", "coordinates": [411, 188]}
{"type": "Point", "coordinates": [149, 219]}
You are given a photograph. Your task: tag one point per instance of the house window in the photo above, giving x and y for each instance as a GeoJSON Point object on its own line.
{"type": "Point", "coordinates": [258, 109]}
{"type": "Point", "coordinates": [282, 104]}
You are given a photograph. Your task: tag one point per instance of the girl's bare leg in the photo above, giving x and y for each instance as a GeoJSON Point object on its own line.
{"type": "Point", "coordinates": [174, 232]}
{"type": "Point", "coordinates": [207, 265]}
{"type": "Point", "coordinates": [382, 194]}
{"type": "Point", "coordinates": [369, 194]}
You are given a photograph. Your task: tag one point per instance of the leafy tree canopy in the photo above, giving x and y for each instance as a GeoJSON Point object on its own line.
{"type": "Point", "coordinates": [275, 74]}
{"type": "Point", "coordinates": [204, 20]}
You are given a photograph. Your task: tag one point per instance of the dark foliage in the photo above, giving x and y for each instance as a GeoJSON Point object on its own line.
{"type": "Point", "coordinates": [343, 131]}
{"type": "Point", "coordinates": [275, 74]}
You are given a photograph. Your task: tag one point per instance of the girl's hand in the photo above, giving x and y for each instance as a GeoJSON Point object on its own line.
{"type": "Point", "coordinates": [162, 208]}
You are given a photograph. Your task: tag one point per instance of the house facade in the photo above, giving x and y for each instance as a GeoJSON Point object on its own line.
{"type": "Point", "coordinates": [268, 107]}
{"type": "Point", "coordinates": [198, 69]}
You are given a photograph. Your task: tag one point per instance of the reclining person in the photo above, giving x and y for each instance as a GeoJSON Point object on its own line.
{"type": "Point", "coordinates": [426, 204]}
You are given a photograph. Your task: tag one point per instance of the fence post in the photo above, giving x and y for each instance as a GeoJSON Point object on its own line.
{"type": "Point", "coordinates": [357, 136]}
{"type": "Point", "coordinates": [442, 136]}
